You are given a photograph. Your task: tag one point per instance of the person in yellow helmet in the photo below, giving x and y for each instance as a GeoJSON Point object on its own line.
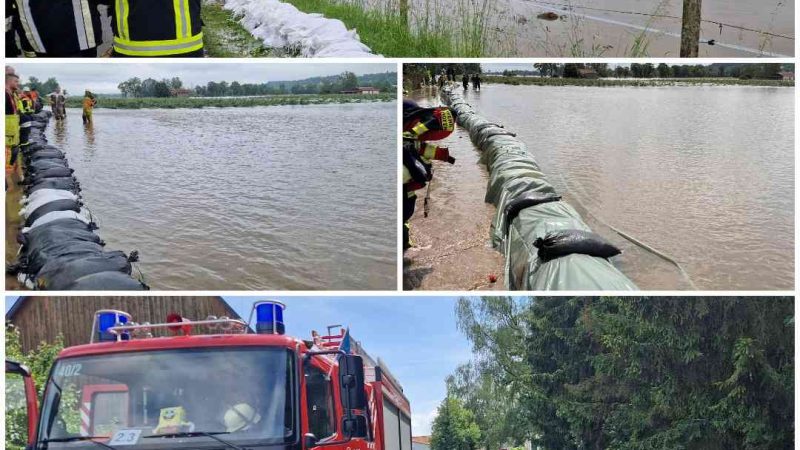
{"type": "Point", "coordinates": [165, 28]}
{"type": "Point", "coordinates": [89, 103]}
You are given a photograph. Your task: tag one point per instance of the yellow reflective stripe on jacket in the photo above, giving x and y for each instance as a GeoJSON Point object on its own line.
{"type": "Point", "coordinates": [430, 152]}
{"type": "Point", "coordinates": [406, 175]}
{"type": "Point", "coordinates": [12, 130]}
{"type": "Point", "coordinates": [419, 129]}
{"type": "Point", "coordinates": [158, 48]}
{"type": "Point", "coordinates": [123, 9]}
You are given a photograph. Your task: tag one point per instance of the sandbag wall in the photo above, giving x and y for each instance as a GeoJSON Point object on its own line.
{"type": "Point", "coordinates": [59, 249]}
{"type": "Point", "coordinates": [529, 208]}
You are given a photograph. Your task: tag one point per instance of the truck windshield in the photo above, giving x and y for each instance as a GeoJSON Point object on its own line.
{"type": "Point", "coordinates": [147, 399]}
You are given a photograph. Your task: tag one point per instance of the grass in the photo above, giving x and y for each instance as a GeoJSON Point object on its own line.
{"type": "Point", "coordinates": [429, 34]}
{"type": "Point", "coordinates": [224, 37]}
{"type": "Point", "coordinates": [636, 82]}
{"type": "Point", "coordinates": [231, 102]}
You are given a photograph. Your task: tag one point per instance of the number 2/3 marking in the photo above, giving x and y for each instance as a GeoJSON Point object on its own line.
{"type": "Point", "coordinates": [125, 437]}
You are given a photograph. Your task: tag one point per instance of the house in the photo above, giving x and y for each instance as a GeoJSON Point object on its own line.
{"type": "Point", "coordinates": [44, 318]}
{"type": "Point", "coordinates": [421, 443]}
{"type": "Point", "coordinates": [588, 73]}
{"type": "Point", "coordinates": [787, 76]}
{"type": "Point", "coordinates": [366, 90]}
{"type": "Point", "coordinates": [182, 92]}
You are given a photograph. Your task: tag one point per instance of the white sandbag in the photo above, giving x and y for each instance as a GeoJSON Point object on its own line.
{"type": "Point", "coordinates": [280, 24]}
{"type": "Point", "coordinates": [45, 199]}
{"type": "Point", "coordinates": [54, 194]}
{"type": "Point", "coordinates": [56, 215]}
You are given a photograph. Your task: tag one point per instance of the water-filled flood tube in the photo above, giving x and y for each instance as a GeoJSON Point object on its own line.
{"type": "Point", "coordinates": [546, 244]}
{"type": "Point", "coordinates": [280, 25]}
{"type": "Point", "coordinates": [59, 249]}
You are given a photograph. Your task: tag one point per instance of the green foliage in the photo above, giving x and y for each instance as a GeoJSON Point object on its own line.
{"type": "Point", "coordinates": [230, 102]}
{"type": "Point", "coordinates": [43, 88]}
{"type": "Point", "coordinates": [39, 362]}
{"type": "Point", "coordinates": [454, 427]}
{"type": "Point", "coordinates": [635, 373]}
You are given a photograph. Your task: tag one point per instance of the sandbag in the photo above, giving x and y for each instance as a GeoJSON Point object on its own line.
{"type": "Point", "coordinates": [56, 215]}
{"type": "Point", "coordinates": [45, 154]}
{"type": "Point", "coordinates": [46, 195]}
{"type": "Point", "coordinates": [39, 254]}
{"type": "Point", "coordinates": [526, 200]}
{"type": "Point", "coordinates": [66, 183]}
{"type": "Point", "coordinates": [43, 164]}
{"type": "Point", "coordinates": [566, 242]}
{"type": "Point", "coordinates": [50, 172]}
{"type": "Point", "coordinates": [59, 275]}
{"type": "Point", "coordinates": [56, 205]}
{"type": "Point", "coordinates": [60, 231]}
{"type": "Point", "coordinates": [106, 281]}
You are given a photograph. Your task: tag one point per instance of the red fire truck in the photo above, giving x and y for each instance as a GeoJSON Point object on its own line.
{"type": "Point", "coordinates": [214, 383]}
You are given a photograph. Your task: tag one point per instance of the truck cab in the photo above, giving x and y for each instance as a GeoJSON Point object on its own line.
{"type": "Point", "coordinates": [223, 387]}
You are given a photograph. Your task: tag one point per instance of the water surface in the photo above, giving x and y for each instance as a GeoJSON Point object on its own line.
{"type": "Point", "coordinates": [284, 197]}
{"type": "Point", "coordinates": [705, 174]}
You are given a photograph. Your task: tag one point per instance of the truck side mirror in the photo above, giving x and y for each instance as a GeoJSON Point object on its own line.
{"type": "Point", "coordinates": [351, 377]}
{"type": "Point", "coordinates": [31, 402]}
{"type": "Point", "coordinates": [355, 426]}
{"type": "Point", "coordinates": [309, 441]}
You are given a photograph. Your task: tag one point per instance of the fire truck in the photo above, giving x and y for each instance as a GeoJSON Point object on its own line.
{"type": "Point", "coordinates": [216, 383]}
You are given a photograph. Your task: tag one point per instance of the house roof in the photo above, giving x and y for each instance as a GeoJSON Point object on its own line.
{"type": "Point", "coordinates": [426, 440]}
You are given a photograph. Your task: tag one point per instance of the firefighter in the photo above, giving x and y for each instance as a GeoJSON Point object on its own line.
{"type": "Point", "coordinates": [420, 126]}
{"type": "Point", "coordinates": [89, 103]}
{"type": "Point", "coordinates": [12, 119]}
{"type": "Point", "coordinates": [58, 28]}
{"type": "Point", "coordinates": [465, 81]}
{"type": "Point", "coordinates": [147, 28]}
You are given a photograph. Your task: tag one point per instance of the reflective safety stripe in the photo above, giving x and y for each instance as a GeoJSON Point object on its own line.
{"type": "Point", "coordinates": [419, 129]}
{"type": "Point", "coordinates": [83, 24]}
{"type": "Point", "coordinates": [9, 23]}
{"type": "Point", "coordinates": [123, 8]}
{"type": "Point", "coordinates": [406, 175]}
{"type": "Point", "coordinates": [158, 48]}
{"type": "Point", "coordinates": [183, 22]}
{"type": "Point", "coordinates": [429, 152]}
{"type": "Point", "coordinates": [29, 27]}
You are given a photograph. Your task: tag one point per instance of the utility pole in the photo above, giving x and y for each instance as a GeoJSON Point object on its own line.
{"type": "Point", "coordinates": [690, 32]}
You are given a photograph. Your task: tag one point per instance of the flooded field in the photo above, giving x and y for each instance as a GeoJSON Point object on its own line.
{"type": "Point", "coordinates": [618, 28]}
{"type": "Point", "coordinates": [704, 174]}
{"type": "Point", "coordinates": [286, 197]}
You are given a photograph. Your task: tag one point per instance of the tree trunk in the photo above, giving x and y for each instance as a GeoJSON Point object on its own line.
{"type": "Point", "coordinates": [690, 32]}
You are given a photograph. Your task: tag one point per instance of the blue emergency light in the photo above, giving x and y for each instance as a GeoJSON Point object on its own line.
{"type": "Point", "coordinates": [106, 319]}
{"type": "Point", "coordinates": [269, 317]}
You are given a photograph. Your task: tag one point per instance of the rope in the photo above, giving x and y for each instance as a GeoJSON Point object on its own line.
{"type": "Point", "coordinates": [630, 238]}
{"type": "Point", "coordinates": [664, 16]}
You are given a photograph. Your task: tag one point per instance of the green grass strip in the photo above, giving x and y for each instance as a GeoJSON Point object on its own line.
{"type": "Point", "coordinates": [228, 102]}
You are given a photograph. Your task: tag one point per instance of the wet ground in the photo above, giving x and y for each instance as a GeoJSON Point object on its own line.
{"type": "Point", "coordinates": [285, 197]}
{"type": "Point", "coordinates": [452, 250]}
{"type": "Point", "coordinates": [704, 174]}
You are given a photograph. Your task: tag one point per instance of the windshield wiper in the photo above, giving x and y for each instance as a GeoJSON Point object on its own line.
{"type": "Point", "coordinates": [210, 434]}
{"type": "Point", "coordinates": [80, 438]}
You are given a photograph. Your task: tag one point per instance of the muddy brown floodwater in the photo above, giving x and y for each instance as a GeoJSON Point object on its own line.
{"type": "Point", "coordinates": [282, 197]}
{"type": "Point", "coordinates": [703, 173]}
{"type": "Point", "coordinates": [452, 244]}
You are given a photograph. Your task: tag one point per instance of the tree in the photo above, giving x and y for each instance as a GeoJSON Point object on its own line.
{"type": "Point", "coordinates": [664, 71]}
{"type": "Point", "coordinates": [454, 427]}
{"type": "Point", "coordinates": [636, 372]}
{"type": "Point", "coordinates": [39, 362]}
{"type": "Point", "coordinates": [348, 80]}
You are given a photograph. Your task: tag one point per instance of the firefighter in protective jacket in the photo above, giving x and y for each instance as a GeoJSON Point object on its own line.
{"type": "Point", "coordinates": [157, 28]}
{"type": "Point", "coordinates": [56, 28]}
{"type": "Point", "coordinates": [421, 125]}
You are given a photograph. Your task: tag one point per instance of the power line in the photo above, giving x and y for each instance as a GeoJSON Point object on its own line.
{"type": "Point", "coordinates": [664, 16]}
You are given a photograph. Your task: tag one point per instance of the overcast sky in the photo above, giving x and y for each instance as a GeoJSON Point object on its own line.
{"type": "Point", "coordinates": [105, 76]}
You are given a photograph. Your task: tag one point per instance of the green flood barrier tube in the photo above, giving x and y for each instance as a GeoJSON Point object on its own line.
{"type": "Point", "coordinates": [514, 175]}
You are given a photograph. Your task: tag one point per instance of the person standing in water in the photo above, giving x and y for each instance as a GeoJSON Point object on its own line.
{"type": "Point", "coordinates": [465, 81]}
{"type": "Point", "coordinates": [89, 103]}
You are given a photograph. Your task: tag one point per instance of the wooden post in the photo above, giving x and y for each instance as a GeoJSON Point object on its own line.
{"type": "Point", "coordinates": [404, 12]}
{"type": "Point", "coordinates": [690, 32]}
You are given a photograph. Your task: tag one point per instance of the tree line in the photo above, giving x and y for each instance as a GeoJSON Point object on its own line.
{"type": "Point", "coordinates": [662, 70]}
{"type": "Point", "coordinates": [138, 88]}
{"type": "Point", "coordinates": [624, 373]}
